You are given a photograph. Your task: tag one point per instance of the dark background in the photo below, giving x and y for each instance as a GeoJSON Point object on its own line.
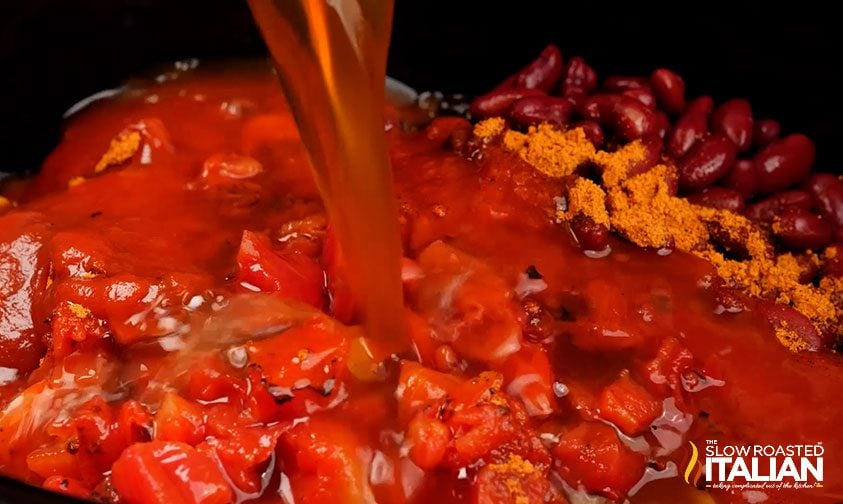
{"type": "Point", "coordinates": [54, 52]}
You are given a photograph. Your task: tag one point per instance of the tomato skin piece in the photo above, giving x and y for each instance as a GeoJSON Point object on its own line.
{"type": "Point", "coordinates": [166, 471]}
{"type": "Point", "coordinates": [591, 455]}
{"type": "Point", "coordinates": [628, 405]}
{"type": "Point", "coordinates": [291, 275]}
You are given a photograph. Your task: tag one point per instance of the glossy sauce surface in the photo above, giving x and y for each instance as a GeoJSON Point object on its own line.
{"type": "Point", "coordinates": [177, 351]}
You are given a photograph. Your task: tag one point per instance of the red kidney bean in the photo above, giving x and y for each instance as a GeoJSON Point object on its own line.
{"type": "Point", "coordinates": [766, 131]}
{"type": "Point", "coordinates": [690, 127]}
{"type": "Point", "coordinates": [779, 315]}
{"type": "Point", "coordinates": [800, 229]}
{"type": "Point", "coordinates": [707, 162]}
{"type": "Point", "coordinates": [767, 209]}
{"type": "Point", "coordinates": [628, 117]}
{"type": "Point", "coordinates": [669, 88]}
{"type": "Point", "coordinates": [819, 182]}
{"type": "Point", "coordinates": [832, 264]}
{"type": "Point", "coordinates": [592, 131]}
{"type": "Point", "coordinates": [719, 197]}
{"type": "Point", "coordinates": [784, 163]}
{"type": "Point", "coordinates": [644, 95]}
{"type": "Point", "coordinates": [808, 268]}
{"type": "Point", "coordinates": [741, 178]}
{"type": "Point", "coordinates": [827, 191]}
{"type": "Point", "coordinates": [539, 109]}
{"type": "Point", "coordinates": [441, 128]}
{"type": "Point", "coordinates": [652, 154]}
{"type": "Point", "coordinates": [662, 124]}
{"type": "Point", "coordinates": [580, 79]}
{"type": "Point", "coordinates": [498, 102]}
{"type": "Point", "coordinates": [624, 82]}
{"type": "Point", "coordinates": [543, 73]}
{"type": "Point", "coordinates": [589, 234]}
{"type": "Point", "coordinates": [733, 119]}
{"type": "Point", "coordinates": [671, 177]}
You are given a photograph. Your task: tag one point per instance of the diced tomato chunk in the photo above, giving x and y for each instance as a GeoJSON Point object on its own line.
{"type": "Point", "coordinates": [664, 371]}
{"type": "Point", "coordinates": [420, 387]}
{"type": "Point", "coordinates": [528, 376]}
{"type": "Point", "coordinates": [166, 471]}
{"type": "Point", "coordinates": [67, 486]}
{"type": "Point", "coordinates": [591, 455]}
{"type": "Point", "coordinates": [178, 419]}
{"type": "Point", "coordinates": [428, 439]}
{"type": "Point", "coordinates": [291, 275]}
{"type": "Point", "coordinates": [306, 361]}
{"type": "Point", "coordinates": [326, 463]}
{"type": "Point", "coordinates": [467, 304]}
{"type": "Point", "coordinates": [628, 405]}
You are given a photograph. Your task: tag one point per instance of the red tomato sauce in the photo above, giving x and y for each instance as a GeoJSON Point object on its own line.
{"type": "Point", "coordinates": [177, 328]}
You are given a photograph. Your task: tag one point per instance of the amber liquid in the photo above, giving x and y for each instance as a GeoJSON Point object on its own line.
{"type": "Point", "coordinates": [331, 57]}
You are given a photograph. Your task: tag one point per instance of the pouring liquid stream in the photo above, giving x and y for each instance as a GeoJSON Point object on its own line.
{"type": "Point", "coordinates": [331, 58]}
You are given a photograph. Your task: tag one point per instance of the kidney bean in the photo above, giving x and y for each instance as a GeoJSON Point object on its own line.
{"type": "Point", "coordinates": [624, 82]}
{"type": "Point", "coordinates": [644, 95]}
{"type": "Point", "coordinates": [832, 264]}
{"type": "Point", "coordinates": [719, 197]}
{"type": "Point", "coordinates": [652, 154]}
{"type": "Point", "coordinates": [580, 79]}
{"type": "Point", "coordinates": [801, 229]}
{"type": "Point", "coordinates": [808, 268]}
{"type": "Point", "coordinates": [784, 163]}
{"type": "Point", "coordinates": [779, 315]}
{"type": "Point", "coordinates": [767, 209]}
{"type": "Point", "coordinates": [741, 178]}
{"type": "Point", "coordinates": [766, 131]}
{"type": "Point", "coordinates": [628, 117]}
{"type": "Point", "coordinates": [733, 119]}
{"type": "Point", "coordinates": [729, 300]}
{"type": "Point", "coordinates": [592, 131]}
{"type": "Point", "coordinates": [539, 109]}
{"type": "Point", "coordinates": [543, 73]}
{"type": "Point", "coordinates": [669, 89]}
{"type": "Point", "coordinates": [671, 177]}
{"type": "Point", "coordinates": [707, 162]}
{"type": "Point", "coordinates": [827, 191]}
{"type": "Point", "coordinates": [498, 102]}
{"type": "Point", "coordinates": [589, 234]}
{"type": "Point", "coordinates": [442, 128]}
{"type": "Point", "coordinates": [690, 127]}
{"type": "Point", "coordinates": [662, 124]}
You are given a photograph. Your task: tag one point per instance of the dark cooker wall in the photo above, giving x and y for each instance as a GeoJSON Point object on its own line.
{"type": "Point", "coordinates": [53, 52]}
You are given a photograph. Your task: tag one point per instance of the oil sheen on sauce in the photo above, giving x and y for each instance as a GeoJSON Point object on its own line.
{"type": "Point", "coordinates": [331, 57]}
